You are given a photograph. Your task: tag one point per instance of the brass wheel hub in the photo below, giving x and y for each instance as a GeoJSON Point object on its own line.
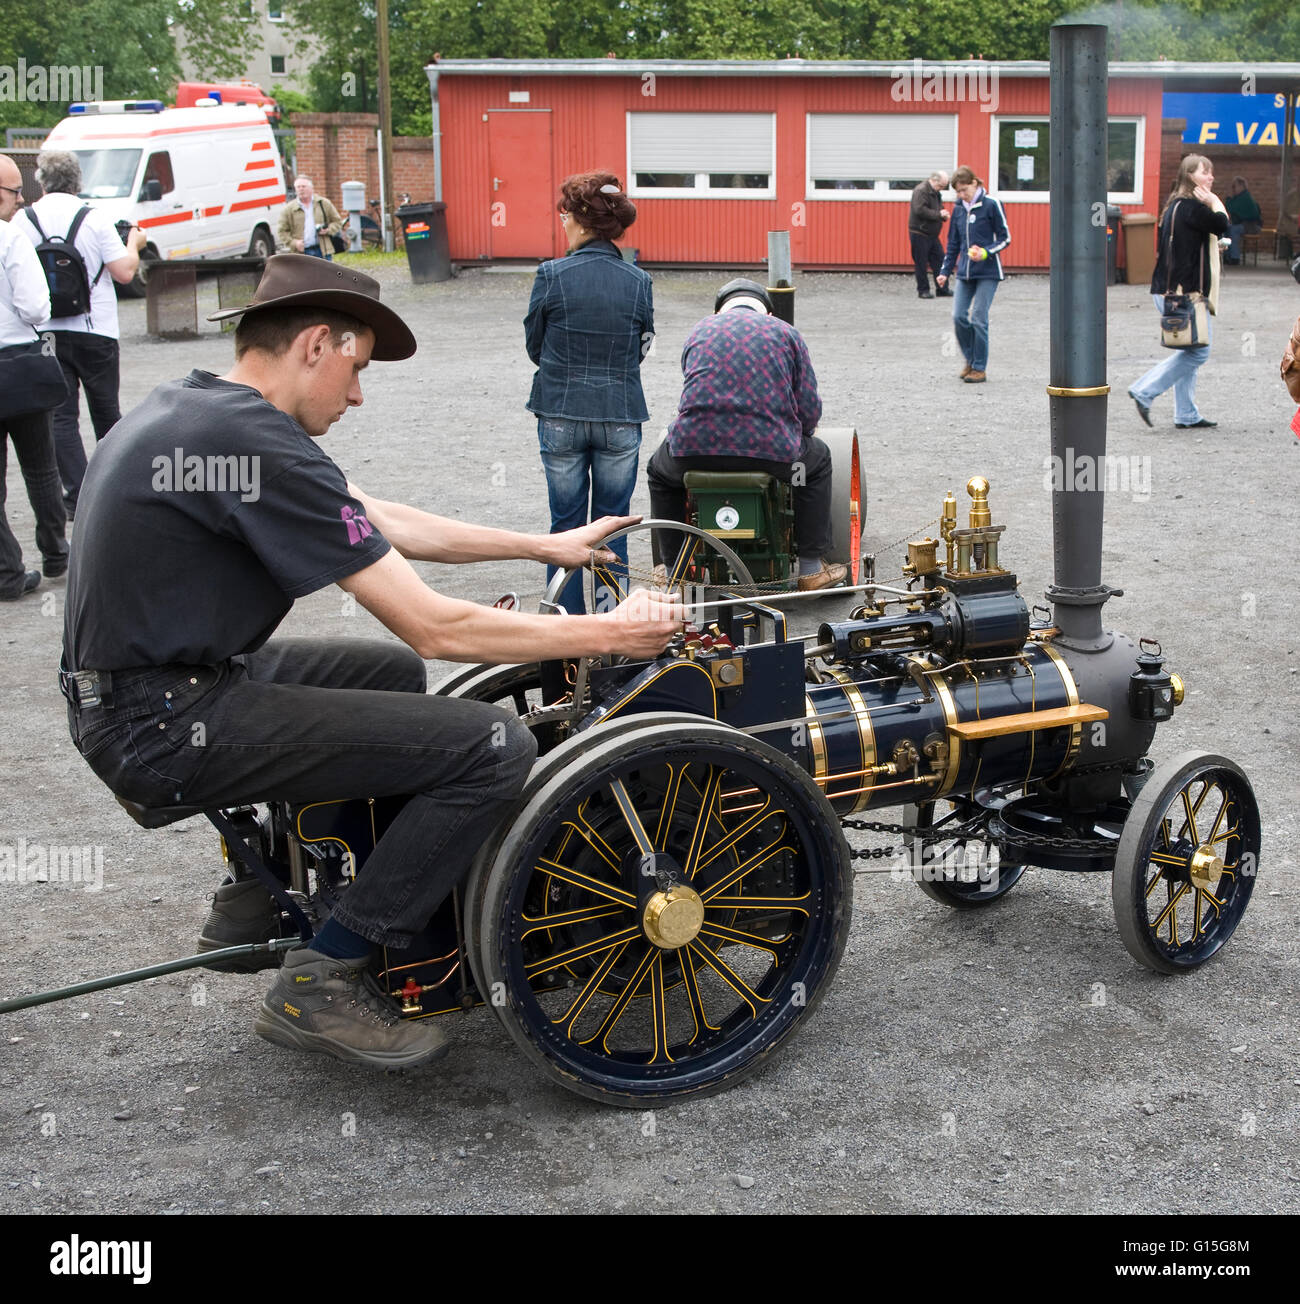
{"type": "Point", "coordinates": [673, 918]}
{"type": "Point", "coordinates": [1204, 868]}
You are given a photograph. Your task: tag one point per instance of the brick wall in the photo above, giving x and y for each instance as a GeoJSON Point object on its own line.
{"type": "Point", "coordinates": [1261, 165]}
{"type": "Point", "coordinates": [338, 147]}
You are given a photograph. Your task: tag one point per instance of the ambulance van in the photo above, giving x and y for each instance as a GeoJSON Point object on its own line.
{"type": "Point", "coordinates": [202, 182]}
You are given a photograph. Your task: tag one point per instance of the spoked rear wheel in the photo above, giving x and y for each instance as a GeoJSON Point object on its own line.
{"type": "Point", "coordinates": [1186, 862]}
{"type": "Point", "coordinates": [665, 911]}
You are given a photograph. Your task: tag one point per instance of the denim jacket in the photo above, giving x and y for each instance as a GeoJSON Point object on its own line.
{"type": "Point", "coordinates": [590, 322]}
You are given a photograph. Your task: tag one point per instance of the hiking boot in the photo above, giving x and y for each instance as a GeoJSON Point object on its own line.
{"type": "Point", "coordinates": [975, 377]}
{"type": "Point", "coordinates": [336, 1007]}
{"type": "Point", "coordinates": [965, 371]}
{"type": "Point", "coordinates": [826, 578]}
{"type": "Point", "coordinates": [242, 912]}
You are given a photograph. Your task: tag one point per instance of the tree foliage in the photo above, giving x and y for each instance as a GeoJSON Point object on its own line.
{"type": "Point", "coordinates": [133, 44]}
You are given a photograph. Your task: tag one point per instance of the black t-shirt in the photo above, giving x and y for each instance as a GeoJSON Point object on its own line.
{"type": "Point", "coordinates": [204, 513]}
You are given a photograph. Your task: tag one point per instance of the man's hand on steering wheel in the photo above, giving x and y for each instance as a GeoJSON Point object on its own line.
{"type": "Point", "coordinates": [573, 548]}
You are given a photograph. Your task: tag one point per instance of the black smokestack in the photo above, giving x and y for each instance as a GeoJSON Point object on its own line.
{"type": "Point", "coordinates": [1078, 324]}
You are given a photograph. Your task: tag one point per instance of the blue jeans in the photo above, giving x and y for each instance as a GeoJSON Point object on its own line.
{"type": "Point", "coordinates": [970, 316]}
{"type": "Point", "coordinates": [319, 251]}
{"type": "Point", "coordinates": [1178, 370]}
{"type": "Point", "coordinates": [1235, 231]}
{"type": "Point", "coordinates": [586, 461]}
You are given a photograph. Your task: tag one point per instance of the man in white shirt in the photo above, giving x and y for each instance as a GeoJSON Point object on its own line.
{"type": "Point", "coordinates": [87, 345]}
{"type": "Point", "coordinates": [24, 304]}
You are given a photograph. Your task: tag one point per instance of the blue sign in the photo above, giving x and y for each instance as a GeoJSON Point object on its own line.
{"type": "Point", "coordinates": [1230, 119]}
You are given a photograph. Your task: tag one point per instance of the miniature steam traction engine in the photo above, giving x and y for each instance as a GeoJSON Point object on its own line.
{"type": "Point", "coordinates": [671, 899]}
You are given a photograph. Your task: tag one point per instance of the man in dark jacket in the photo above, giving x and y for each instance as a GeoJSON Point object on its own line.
{"type": "Point", "coordinates": [925, 219]}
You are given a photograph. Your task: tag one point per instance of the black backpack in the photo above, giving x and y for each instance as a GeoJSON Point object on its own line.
{"type": "Point", "coordinates": [65, 269]}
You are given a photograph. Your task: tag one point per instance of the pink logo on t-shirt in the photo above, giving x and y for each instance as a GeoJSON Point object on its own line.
{"type": "Point", "coordinates": [358, 527]}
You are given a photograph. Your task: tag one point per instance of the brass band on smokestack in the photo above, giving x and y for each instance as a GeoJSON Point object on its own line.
{"type": "Point", "coordinates": [1077, 386]}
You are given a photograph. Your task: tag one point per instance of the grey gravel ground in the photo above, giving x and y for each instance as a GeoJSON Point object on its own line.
{"type": "Point", "coordinates": [960, 1062]}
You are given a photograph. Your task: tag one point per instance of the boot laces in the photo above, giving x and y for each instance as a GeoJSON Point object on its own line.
{"type": "Point", "coordinates": [369, 998]}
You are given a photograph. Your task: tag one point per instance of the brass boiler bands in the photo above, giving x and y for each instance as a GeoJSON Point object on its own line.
{"type": "Point", "coordinates": [874, 740]}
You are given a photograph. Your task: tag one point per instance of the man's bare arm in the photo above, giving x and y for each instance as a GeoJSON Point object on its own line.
{"type": "Point", "coordinates": [447, 629]}
{"type": "Point", "coordinates": [422, 536]}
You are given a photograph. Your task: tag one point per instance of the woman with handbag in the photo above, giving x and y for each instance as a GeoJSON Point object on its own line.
{"type": "Point", "coordinates": [1185, 285]}
{"type": "Point", "coordinates": [31, 384]}
{"type": "Point", "coordinates": [590, 322]}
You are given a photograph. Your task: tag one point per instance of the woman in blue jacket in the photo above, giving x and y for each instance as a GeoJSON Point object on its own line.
{"type": "Point", "coordinates": [590, 322]}
{"type": "Point", "coordinates": [977, 235]}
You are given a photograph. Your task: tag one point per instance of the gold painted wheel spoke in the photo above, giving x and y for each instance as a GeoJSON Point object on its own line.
{"type": "Point", "coordinates": [734, 836]}
{"type": "Point", "coordinates": [724, 934]}
{"type": "Point", "coordinates": [588, 884]}
{"type": "Point", "coordinates": [684, 559]}
{"type": "Point", "coordinates": [730, 977]}
{"type": "Point", "coordinates": [1218, 819]}
{"type": "Point", "coordinates": [1224, 837]}
{"type": "Point", "coordinates": [659, 1011]}
{"type": "Point", "coordinates": [703, 817]}
{"type": "Point", "coordinates": [593, 839]}
{"type": "Point", "coordinates": [1165, 828]}
{"type": "Point", "coordinates": [675, 777]}
{"type": "Point", "coordinates": [693, 997]}
{"type": "Point", "coordinates": [586, 915]}
{"type": "Point", "coordinates": [617, 1010]}
{"type": "Point", "coordinates": [1157, 877]}
{"type": "Point", "coordinates": [576, 953]}
{"type": "Point", "coordinates": [610, 581]}
{"type": "Point", "coordinates": [628, 808]}
{"type": "Point", "coordinates": [759, 858]}
{"type": "Point", "coordinates": [791, 904]}
{"type": "Point", "coordinates": [1170, 910]}
{"type": "Point", "coordinates": [1175, 862]}
{"type": "Point", "coordinates": [1215, 904]}
{"type": "Point", "coordinates": [590, 987]}
{"type": "Point", "coordinates": [1189, 811]}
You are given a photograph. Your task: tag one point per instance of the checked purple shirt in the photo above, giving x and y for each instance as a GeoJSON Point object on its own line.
{"type": "Point", "coordinates": [749, 390]}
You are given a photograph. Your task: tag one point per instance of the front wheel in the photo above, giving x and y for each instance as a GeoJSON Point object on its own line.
{"type": "Point", "coordinates": [261, 245]}
{"type": "Point", "coordinates": [1186, 862]}
{"type": "Point", "coordinates": [664, 912]}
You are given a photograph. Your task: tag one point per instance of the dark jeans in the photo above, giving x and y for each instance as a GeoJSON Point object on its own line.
{"type": "Point", "coordinates": [34, 445]}
{"type": "Point", "coordinates": [927, 256]}
{"type": "Point", "coordinates": [812, 498]}
{"type": "Point", "coordinates": [320, 720]}
{"type": "Point", "coordinates": [319, 251]}
{"type": "Point", "coordinates": [92, 361]}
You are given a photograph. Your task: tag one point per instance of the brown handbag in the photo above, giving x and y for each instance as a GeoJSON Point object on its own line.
{"type": "Point", "coordinates": [1290, 363]}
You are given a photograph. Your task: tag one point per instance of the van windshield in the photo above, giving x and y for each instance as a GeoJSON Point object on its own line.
{"type": "Point", "coordinates": [107, 173]}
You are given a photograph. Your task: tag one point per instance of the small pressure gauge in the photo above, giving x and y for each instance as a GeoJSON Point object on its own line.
{"type": "Point", "coordinates": [727, 518]}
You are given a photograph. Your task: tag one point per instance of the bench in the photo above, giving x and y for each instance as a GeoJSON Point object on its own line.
{"type": "Point", "coordinates": [171, 291]}
{"type": "Point", "coordinates": [1251, 241]}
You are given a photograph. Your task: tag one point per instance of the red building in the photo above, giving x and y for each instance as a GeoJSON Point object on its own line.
{"type": "Point", "coordinates": [716, 154]}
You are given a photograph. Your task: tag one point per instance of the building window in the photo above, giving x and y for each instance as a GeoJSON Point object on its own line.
{"type": "Point", "coordinates": [1021, 163]}
{"type": "Point", "coordinates": [277, 65]}
{"type": "Point", "coordinates": [275, 11]}
{"type": "Point", "coordinates": [877, 155]}
{"type": "Point", "coordinates": [685, 155]}
{"type": "Point", "coordinates": [245, 11]}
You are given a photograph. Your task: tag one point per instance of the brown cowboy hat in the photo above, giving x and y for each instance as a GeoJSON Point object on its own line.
{"type": "Point", "coordinates": [301, 281]}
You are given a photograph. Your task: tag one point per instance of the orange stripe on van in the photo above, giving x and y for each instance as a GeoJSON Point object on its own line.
{"type": "Point", "coordinates": [212, 212]}
{"type": "Point", "coordinates": [258, 183]}
{"type": "Point", "coordinates": [168, 219]}
{"type": "Point", "coordinates": [264, 202]}
{"type": "Point", "coordinates": [262, 144]}
{"type": "Point", "coordinates": [259, 163]}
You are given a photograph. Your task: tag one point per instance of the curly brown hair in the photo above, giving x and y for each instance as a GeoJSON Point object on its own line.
{"type": "Point", "coordinates": [605, 213]}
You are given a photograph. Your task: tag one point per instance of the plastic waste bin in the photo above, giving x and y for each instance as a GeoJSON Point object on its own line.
{"type": "Point", "coordinates": [424, 233]}
{"type": "Point", "coordinates": [1139, 247]}
{"type": "Point", "coordinates": [1113, 216]}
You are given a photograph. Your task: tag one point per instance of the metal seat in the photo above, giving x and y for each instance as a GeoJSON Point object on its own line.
{"type": "Point", "coordinates": [157, 817]}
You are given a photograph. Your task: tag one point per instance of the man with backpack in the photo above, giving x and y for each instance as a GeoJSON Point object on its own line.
{"type": "Point", "coordinates": [82, 255]}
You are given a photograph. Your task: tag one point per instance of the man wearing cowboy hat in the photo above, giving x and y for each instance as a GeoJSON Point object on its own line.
{"type": "Point", "coordinates": [209, 511]}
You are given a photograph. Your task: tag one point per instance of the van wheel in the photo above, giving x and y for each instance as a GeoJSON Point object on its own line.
{"type": "Point", "coordinates": [134, 288]}
{"type": "Point", "coordinates": [261, 245]}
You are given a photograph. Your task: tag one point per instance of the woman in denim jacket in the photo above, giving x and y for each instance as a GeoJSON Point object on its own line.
{"type": "Point", "coordinates": [590, 322]}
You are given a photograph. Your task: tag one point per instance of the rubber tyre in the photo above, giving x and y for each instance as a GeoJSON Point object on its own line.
{"type": "Point", "coordinates": [786, 994]}
{"type": "Point", "coordinates": [1132, 882]}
